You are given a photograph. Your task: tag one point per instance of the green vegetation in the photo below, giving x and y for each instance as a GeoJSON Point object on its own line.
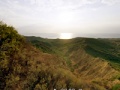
{"type": "Point", "coordinates": [116, 87]}
{"type": "Point", "coordinates": [10, 41]}
{"type": "Point", "coordinates": [43, 46]}
{"type": "Point", "coordinates": [35, 63]}
{"type": "Point", "coordinates": [23, 67]}
{"type": "Point", "coordinates": [105, 49]}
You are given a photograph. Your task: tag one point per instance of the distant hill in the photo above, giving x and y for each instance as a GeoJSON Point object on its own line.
{"type": "Point", "coordinates": [107, 49]}
{"type": "Point", "coordinates": [92, 59]}
{"type": "Point", "coordinates": [35, 63]}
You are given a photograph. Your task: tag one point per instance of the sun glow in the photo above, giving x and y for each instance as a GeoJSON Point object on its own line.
{"type": "Point", "coordinates": [65, 19]}
{"type": "Point", "coordinates": [65, 35]}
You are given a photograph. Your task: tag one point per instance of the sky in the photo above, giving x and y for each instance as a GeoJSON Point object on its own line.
{"type": "Point", "coordinates": [49, 18]}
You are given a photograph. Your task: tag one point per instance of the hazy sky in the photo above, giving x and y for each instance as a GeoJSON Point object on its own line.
{"type": "Point", "coordinates": [62, 16]}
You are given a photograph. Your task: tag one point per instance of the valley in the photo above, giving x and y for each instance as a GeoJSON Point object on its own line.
{"type": "Point", "coordinates": [87, 59]}
{"type": "Point", "coordinates": [35, 63]}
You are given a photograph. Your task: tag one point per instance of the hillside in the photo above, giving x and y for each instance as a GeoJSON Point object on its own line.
{"type": "Point", "coordinates": [93, 60]}
{"type": "Point", "coordinates": [107, 49]}
{"type": "Point", "coordinates": [34, 63]}
{"type": "Point", "coordinates": [23, 67]}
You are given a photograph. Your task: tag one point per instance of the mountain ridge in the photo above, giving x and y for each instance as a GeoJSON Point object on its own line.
{"type": "Point", "coordinates": [30, 63]}
{"type": "Point", "coordinates": [87, 65]}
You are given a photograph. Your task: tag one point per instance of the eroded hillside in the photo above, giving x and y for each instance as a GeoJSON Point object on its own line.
{"type": "Point", "coordinates": [24, 67]}
{"type": "Point", "coordinates": [99, 65]}
{"type": "Point", "coordinates": [47, 64]}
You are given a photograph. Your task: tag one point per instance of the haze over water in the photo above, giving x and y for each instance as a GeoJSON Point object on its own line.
{"type": "Point", "coordinates": [51, 18]}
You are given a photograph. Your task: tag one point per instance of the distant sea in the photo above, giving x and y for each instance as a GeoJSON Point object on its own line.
{"type": "Point", "coordinates": [57, 35]}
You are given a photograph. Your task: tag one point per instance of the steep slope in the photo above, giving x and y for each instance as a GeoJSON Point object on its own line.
{"type": "Point", "coordinates": [91, 65]}
{"type": "Point", "coordinates": [23, 67]}
{"type": "Point", "coordinates": [104, 49]}
{"type": "Point", "coordinates": [57, 64]}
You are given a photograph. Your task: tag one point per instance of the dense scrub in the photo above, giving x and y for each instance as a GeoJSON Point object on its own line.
{"type": "Point", "coordinates": [23, 67]}
{"type": "Point", "coordinates": [93, 60]}
{"type": "Point", "coordinates": [47, 64]}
